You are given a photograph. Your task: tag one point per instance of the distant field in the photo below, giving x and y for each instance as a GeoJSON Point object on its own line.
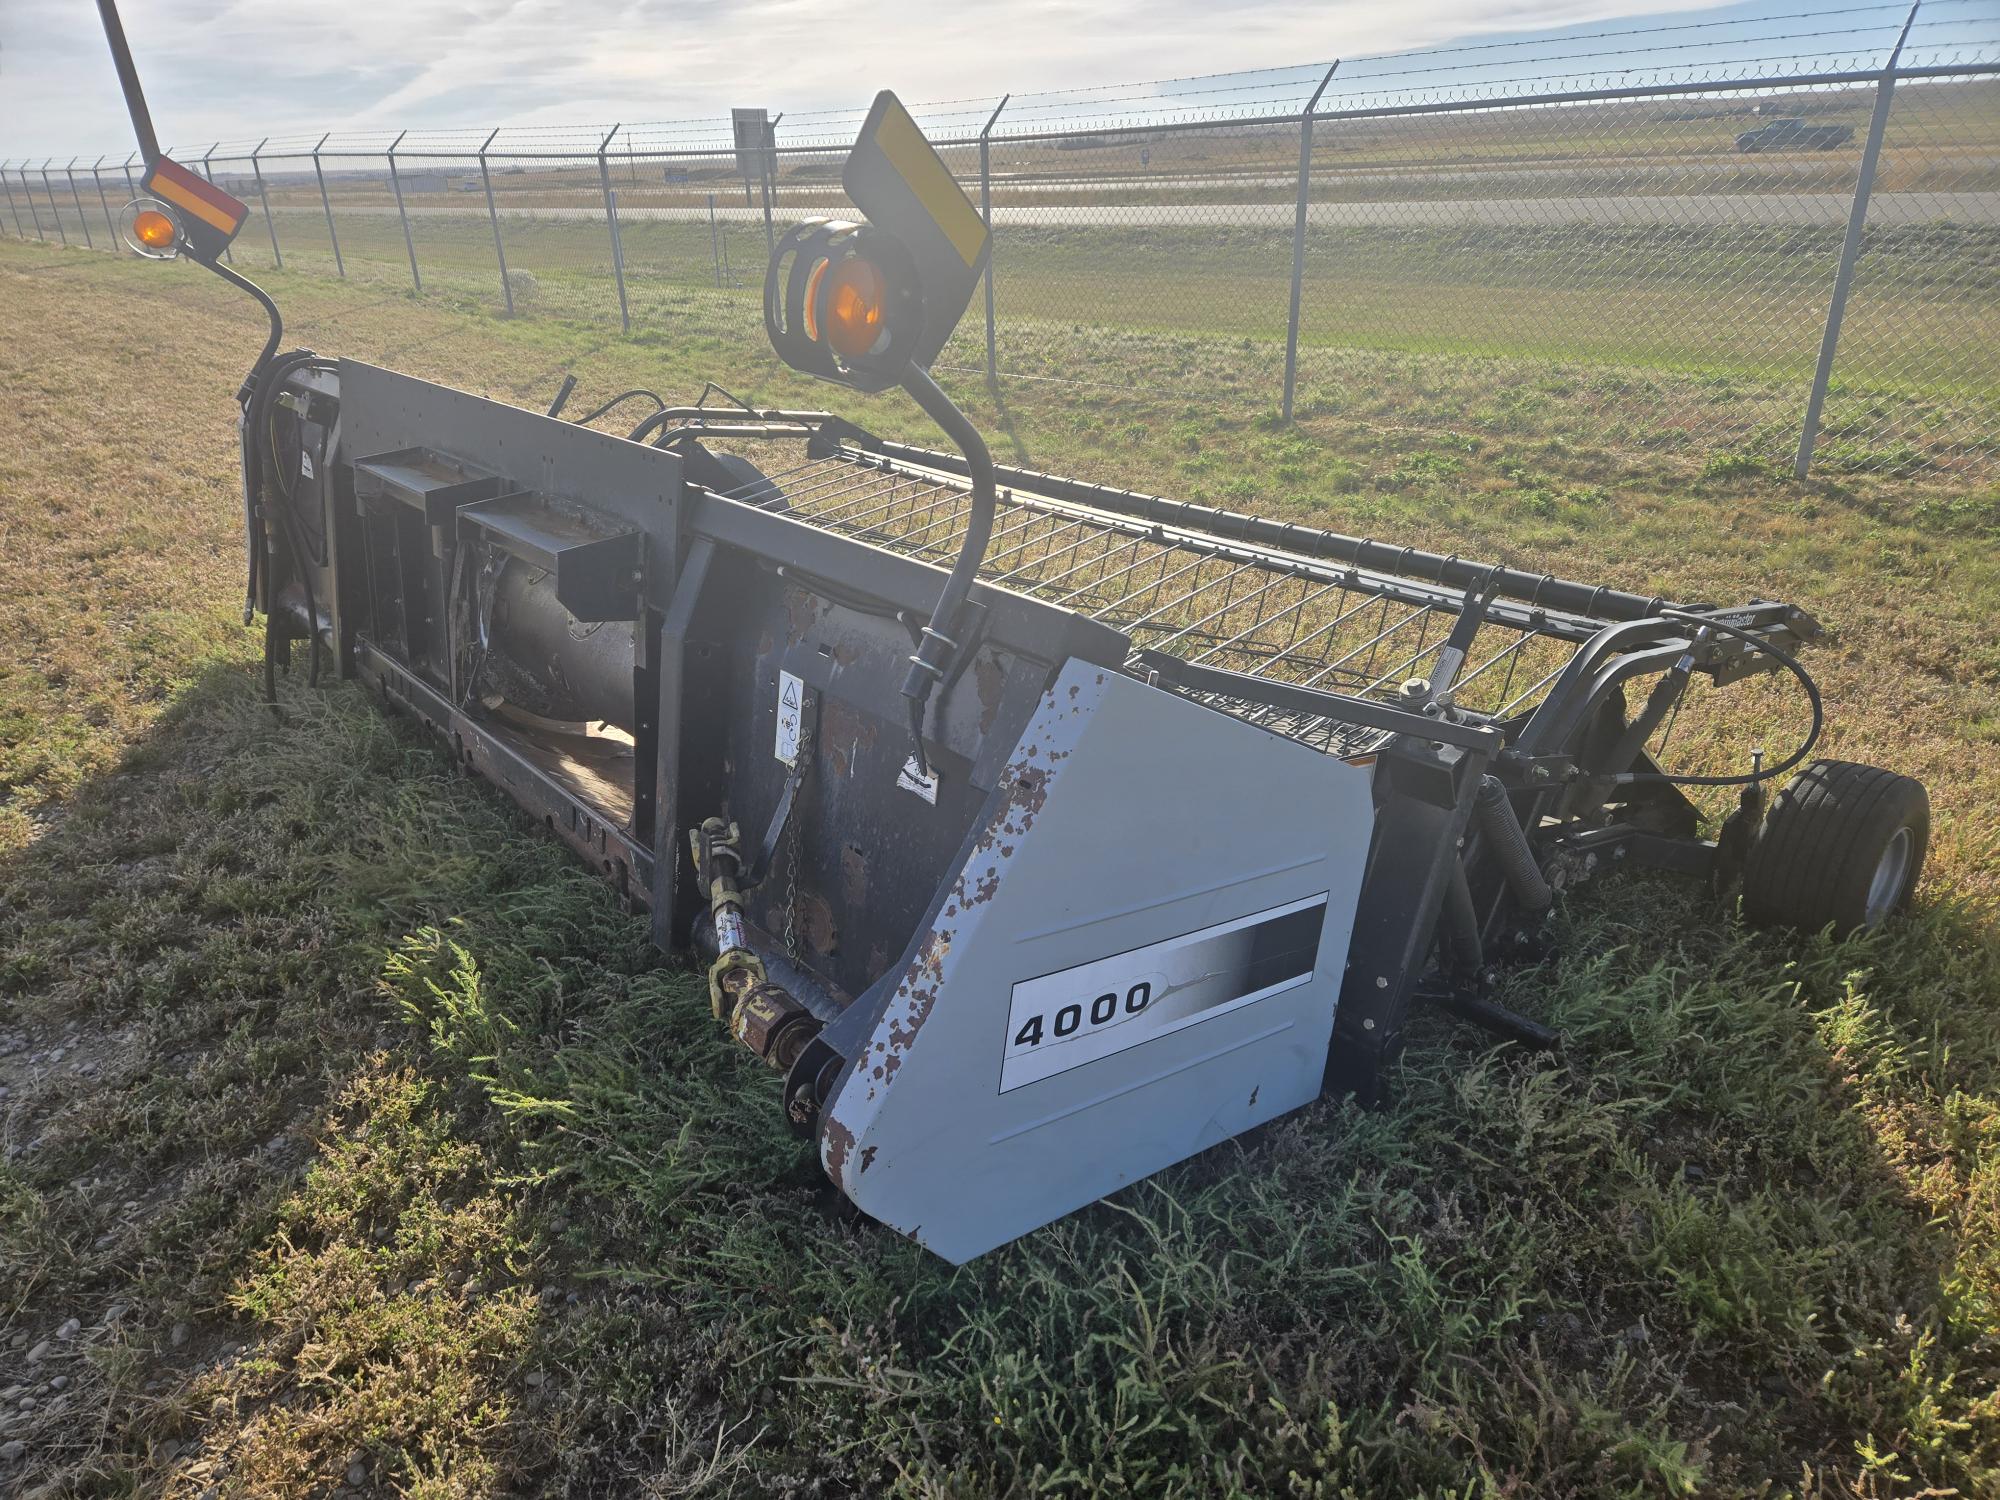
{"type": "Point", "coordinates": [1739, 309]}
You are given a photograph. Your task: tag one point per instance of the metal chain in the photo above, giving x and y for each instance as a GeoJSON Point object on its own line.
{"type": "Point", "coordinates": [794, 838]}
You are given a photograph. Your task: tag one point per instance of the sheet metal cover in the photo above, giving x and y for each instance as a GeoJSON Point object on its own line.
{"type": "Point", "coordinates": [899, 181]}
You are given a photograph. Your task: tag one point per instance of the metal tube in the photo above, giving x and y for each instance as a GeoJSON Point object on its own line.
{"type": "Point", "coordinates": [1299, 241]}
{"type": "Point", "coordinates": [326, 205]}
{"type": "Point", "coordinates": [986, 213]}
{"type": "Point", "coordinates": [77, 198]}
{"type": "Point", "coordinates": [933, 657]}
{"type": "Point", "coordinates": [128, 80]}
{"type": "Point", "coordinates": [1850, 251]}
{"type": "Point", "coordinates": [126, 166]}
{"type": "Point", "coordinates": [264, 200]}
{"type": "Point", "coordinates": [493, 216]}
{"type": "Point", "coordinates": [611, 222]}
{"type": "Point", "coordinates": [409, 242]}
{"type": "Point", "coordinates": [110, 224]}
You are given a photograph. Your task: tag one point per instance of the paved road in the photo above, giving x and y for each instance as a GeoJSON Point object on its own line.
{"type": "Point", "coordinates": [1698, 210]}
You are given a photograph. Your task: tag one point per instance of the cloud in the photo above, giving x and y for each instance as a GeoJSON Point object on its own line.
{"type": "Point", "coordinates": [242, 69]}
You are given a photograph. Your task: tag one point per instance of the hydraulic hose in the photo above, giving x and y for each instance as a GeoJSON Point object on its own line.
{"type": "Point", "coordinates": [1509, 845]}
{"type": "Point", "coordinates": [932, 661]}
{"type": "Point", "coordinates": [1784, 659]}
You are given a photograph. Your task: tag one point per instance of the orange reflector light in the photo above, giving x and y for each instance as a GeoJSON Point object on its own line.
{"type": "Point", "coordinates": [154, 229]}
{"type": "Point", "coordinates": [855, 297]}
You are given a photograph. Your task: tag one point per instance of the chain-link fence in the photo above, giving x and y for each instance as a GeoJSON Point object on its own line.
{"type": "Point", "coordinates": [1772, 240]}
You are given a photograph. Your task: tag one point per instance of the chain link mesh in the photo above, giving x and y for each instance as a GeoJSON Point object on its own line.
{"type": "Point", "coordinates": [1632, 236]}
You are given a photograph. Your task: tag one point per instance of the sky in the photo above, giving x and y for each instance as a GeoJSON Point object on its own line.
{"type": "Point", "coordinates": [241, 69]}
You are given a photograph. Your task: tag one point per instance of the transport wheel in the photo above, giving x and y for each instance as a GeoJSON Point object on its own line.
{"type": "Point", "coordinates": [1842, 844]}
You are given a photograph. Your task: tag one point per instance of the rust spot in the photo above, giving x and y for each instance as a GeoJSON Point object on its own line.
{"type": "Point", "coordinates": [878, 962]}
{"type": "Point", "coordinates": [802, 611]}
{"type": "Point", "coordinates": [839, 1146]}
{"type": "Point", "coordinates": [1255, 1090]}
{"type": "Point", "coordinates": [846, 655]}
{"type": "Point", "coordinates": [853, 877]}
{"type": "Point", "coordinates": [867, 1157]}
{"type": "Point", "coordinates": [765, 645]}
{"type": "Point", "coordinates": [816, 917]}
{"type": "Point", "coordinates": [1073, 691]}
{"type": "Point", "coordinates": [991, 679]}
{"type": "Point", "coordinates": [838, 757]}
{"type": "Point", "coordinates": [841, 725]}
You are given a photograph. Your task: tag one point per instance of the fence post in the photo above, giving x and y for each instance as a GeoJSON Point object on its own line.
{"type": "Point", "coordinates": [492, 213]}
{"type": "Point", "coordinates": [986, 213]}
{"type": "Point", "coordinates": [264, 201]}
{"type": "Point", "coordinates": [50, 188]}
{"type": "Point", "coordinates": [28, 192]}
{"type": "Point", "coordinates": [1299, 241]}
{"type": "Point", "coordinates": [769, 156]}
{"type": "Point", "coordinates": [110, 224]}
{"type": "Point", "coordinates": [208, 172]}
{"type": "Point", "coordinates": [76, 197]}
{"type": "Point", "coordinates": [1850, 250]}
{"type": "Point", "coordinates": [409, 242]}
{"type": "Point", "coordinates": [714, 244]}
{"type": "Point", "coordinates": [326, 204]}
{"type": "Point", "coordinates": [130, 186]}
{"type": "Point", "coordinates": [15, 208]}
{"type": "Point", "coordinates": [611, 222]}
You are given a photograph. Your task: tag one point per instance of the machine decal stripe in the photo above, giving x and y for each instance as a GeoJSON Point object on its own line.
{"type": "Point", "coordinates": [911, 155]}
{"type": "Point", "coordinates": [182, 188]}
{"type": "Point", "coordinates": [1083, 1014]}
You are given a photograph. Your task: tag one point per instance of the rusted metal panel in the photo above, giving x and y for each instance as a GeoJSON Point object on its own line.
{"type": "Point", "coordinates": [1090, 855]}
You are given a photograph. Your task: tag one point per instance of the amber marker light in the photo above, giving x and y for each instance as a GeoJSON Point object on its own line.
{"type": "Point", "coordinates": [854, 299]}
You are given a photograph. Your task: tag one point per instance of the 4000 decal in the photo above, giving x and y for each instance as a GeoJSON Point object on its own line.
{"type": "Point", "coordinates": [1078, 1015]}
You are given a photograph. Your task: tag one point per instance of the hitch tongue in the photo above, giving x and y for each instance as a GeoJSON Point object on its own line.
{"type": "Point", "coordinates": [765, 1017]}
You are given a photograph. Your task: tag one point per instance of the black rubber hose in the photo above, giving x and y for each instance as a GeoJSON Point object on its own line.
{"type": "Point", "coordinates": [1509, 845]}
{"type": "Point", "coordinates": [619, 400]}
{"type": "Point", "coordinates": [1784, 659]}
{"type": "Point", "coordinates": [263, 385]}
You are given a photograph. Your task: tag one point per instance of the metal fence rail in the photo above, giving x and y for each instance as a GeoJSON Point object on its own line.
{"type": "Point", "coordinates": [1746, 244]}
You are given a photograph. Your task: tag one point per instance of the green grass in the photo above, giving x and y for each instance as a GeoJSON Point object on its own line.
{"type": "Point", "coordinates": [401, 1150]}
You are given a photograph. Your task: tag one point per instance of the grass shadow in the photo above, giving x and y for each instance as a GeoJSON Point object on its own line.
{"type": "Point", "coordinates": [380, 1139]}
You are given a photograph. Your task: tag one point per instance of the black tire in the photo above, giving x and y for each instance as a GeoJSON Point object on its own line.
{"type": "Point", "coordinates": [733, 475]}
{"type": "Point", "coordinates": [1841, 844]}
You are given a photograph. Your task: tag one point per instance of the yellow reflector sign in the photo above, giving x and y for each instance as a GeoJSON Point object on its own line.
{"type": "Point", "coordinates": [921, 167]}
{"type": "Point", "coordinates": [898, 180]}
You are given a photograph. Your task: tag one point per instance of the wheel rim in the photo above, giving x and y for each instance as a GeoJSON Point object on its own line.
{"type": "Point", "coordinates": [1891, 871]}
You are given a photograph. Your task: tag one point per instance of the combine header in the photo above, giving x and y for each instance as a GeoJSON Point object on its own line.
{"type": "Point", "coordinates": [1038, 834]}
